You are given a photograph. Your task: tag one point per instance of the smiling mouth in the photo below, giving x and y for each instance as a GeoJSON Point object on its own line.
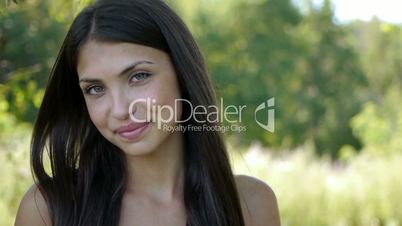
{"type": "Point", "coordinates": [132, 131]}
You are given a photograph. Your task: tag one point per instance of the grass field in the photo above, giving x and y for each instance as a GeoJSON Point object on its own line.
{"type": "Point", "coordinates": [363, 191]}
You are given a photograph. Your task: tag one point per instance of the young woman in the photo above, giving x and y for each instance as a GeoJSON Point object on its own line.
{"type": "Point", "coordinates": [112, 160]}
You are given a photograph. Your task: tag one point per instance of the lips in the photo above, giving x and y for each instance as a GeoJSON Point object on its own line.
{"type": "Point", "coordinates": [132, 130]}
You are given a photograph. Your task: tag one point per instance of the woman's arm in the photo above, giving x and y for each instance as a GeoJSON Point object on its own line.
{"type": "Point", "coordinates": [33, 209]}
{"type": "Point", "coordinates": [259, 204]}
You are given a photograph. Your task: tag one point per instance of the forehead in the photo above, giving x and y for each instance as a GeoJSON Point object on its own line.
{"type": "Point", "coordinates": [96, 57]}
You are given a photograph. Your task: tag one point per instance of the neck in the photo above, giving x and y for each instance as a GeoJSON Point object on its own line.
{"type": "Point", "coordinates": [158, 176]}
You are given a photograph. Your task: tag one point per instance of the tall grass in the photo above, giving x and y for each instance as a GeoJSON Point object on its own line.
{"type": "Point", "coordinates": [15, 175]}
{"type": "Point", "coordinates": [311, 191]}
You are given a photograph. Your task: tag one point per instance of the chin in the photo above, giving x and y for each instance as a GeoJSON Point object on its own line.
{"type": "Point", "coordinates": [138, 149]}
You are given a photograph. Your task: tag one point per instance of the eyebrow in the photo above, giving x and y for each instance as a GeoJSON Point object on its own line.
{"type": "Point", "coordinates": [124, 71]}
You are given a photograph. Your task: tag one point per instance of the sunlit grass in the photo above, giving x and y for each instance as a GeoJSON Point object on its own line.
{"type": "Point", "coordinates": [365, 191]}
{"type": "Point", "coordinates": [15, 175]}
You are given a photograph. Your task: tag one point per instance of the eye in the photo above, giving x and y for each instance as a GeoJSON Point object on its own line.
{"type": "Point", "coordinates": [94, 90]}
{"type": "Point", "coordinates": [139, 76]}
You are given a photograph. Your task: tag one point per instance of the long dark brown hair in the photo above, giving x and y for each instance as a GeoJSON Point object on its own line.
{"type": "Point", "coordinates": [88, 173]}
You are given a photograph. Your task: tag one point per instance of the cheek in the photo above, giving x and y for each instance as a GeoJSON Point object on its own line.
{"type": "Point", "coordinates": [167, 95]}
{"type": "Point", "coordinates": [97, 114]}
{"type": "Point", "coordinates": [163, 96]}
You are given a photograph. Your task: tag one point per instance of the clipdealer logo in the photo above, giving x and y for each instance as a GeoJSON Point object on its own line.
{"type": "Point", "coordinates": [268, 107]}
{"type": "Point", "coordinates": [165, 114]}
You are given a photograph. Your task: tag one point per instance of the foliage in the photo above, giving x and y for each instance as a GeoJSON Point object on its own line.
{"type": "Point", "coordinates": [379, 124]}
{"type": "Point", "coordinates": [31, 34]}
{"type": "Point", "coordinates": [29, 43]}
{"type": "Point", "coordinates": [270, 50]}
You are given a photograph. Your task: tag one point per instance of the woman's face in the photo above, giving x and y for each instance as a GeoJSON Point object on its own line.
{"type": "Point", "coordinates": [115, 76]}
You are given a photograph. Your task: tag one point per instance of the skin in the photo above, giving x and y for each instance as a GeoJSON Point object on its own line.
{"type": "Point", "coordinates": [154, 193]}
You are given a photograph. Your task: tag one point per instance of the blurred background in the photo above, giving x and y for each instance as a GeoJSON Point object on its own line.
{"type": "Point", "coordinates": [334, 68]}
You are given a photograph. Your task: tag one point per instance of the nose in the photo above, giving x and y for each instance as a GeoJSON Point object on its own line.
{"type": "Point", "coordinates": [120, 106]}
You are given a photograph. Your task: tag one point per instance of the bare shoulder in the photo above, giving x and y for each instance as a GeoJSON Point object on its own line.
{"type": "Point", "coordinates": [258, 200]}
{"type": "Point", "coordinates": [33, 209]}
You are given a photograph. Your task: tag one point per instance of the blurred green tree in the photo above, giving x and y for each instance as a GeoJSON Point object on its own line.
{"type": "Point", "coordinates": [333, 82]}
{"type": "Point", "coordinates": [379, 125]}
{"type": "Point", "coordinates": [31, 34]}
{"type": "Point", "coordinates": [261, 49]}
